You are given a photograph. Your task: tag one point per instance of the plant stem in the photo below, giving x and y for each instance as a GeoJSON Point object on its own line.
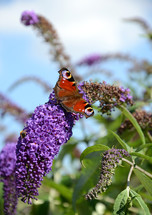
{"type": "Point", "coordinates": [130, 172]}
{"type": "Point", "coordinates": [137, 167]}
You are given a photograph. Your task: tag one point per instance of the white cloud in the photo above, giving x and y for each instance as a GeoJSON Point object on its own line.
{"type": "Point", "coordinates": [84, 26]}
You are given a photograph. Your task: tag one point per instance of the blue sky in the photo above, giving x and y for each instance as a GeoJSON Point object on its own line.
{"type": "Point", "coordinates": [84, 27]}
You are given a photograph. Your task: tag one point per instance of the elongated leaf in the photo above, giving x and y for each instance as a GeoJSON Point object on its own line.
{"type": "Point", "coordinates": [88, 178]}
{"type": "Point", "coordinates": [147, 145]}
{"type": "Point", "coordinates": [136, 196]}
{"type": "Point", "coordinates": [64, 191]}
{"type": "Point", "coordinates": [145, 181]}
{"type": "Point", "coordinates": [95, 148]}
{"type": "Point", "coordinates": [38, 209]}
{"type": "Point", "coordinates": [120, 205]}
{"type": "Point", "coordinates": [67, 149]}
{"type": "Point", "coordinates": [134, 122]}
{"type": "Point", "coordinates": [141, 156]}
{"type": "Point", "coordinates": [83, 207]}
{"type": "Point", "coordinates": [122, 143]}
{"type": "Point", "coordinates": [146, 196]}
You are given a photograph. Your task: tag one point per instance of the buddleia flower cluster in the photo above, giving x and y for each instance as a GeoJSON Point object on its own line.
{"type": "Point", "coordinates": [7, 176]}
{"type": "Point", "coordinates": [143, 118]}
{"type": "Point", "coordinates": [48, 32]}
{"type": "Point", "coordinates": [109, 96]}
{"type": "Point", "coordinates": [110, 161]}
{"type": "Point", "coordinates": [49, 127]}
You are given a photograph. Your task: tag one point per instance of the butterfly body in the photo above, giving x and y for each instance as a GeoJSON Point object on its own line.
{"type": "Point", "coordinates": [68, 94]}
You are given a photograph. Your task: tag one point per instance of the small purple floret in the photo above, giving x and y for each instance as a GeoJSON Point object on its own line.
{"type": "Point", "coordinates": [7, 160]}
{"type": "Point", "coordinates": [29, 18]}
{"type": "Point", "coordinates": [125, 94]}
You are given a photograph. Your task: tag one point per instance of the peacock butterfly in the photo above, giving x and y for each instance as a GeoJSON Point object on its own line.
{"type": "Point", "coordinates": [67, 93]}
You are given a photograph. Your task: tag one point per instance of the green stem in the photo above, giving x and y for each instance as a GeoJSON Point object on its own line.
{"type": "Point", "coordinates": [130, 172]}
{"type": "Point", "coordinates": [137, 167]}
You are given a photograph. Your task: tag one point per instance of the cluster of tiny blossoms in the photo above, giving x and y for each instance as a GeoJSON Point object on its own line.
{"type": "Point", "coordinates": [7, 176]}
{"type": "Point", "coordinates": [110, 161]}
{"type": "Point", "coordinates": [109, 96]}
{"type": "Point", "coordinates": [49, 127]}
{"type": "Point", "coordinates": [90, 60]}
{"type": "Point", "coordinates": [143, 118]}
{"type": "Point", "coordinates": [29, 18]}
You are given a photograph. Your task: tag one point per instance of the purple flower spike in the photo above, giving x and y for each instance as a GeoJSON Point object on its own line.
{"type": "Point", "coordinates": [49, 127]}
{"type": "Point", "coordinates": [7, 176]}
{"type": "Point", "coordinates": [29, 18]}
{"type": "Point", "coordinates": [110, 161]}
{"type": "Point", "coordinates": [90, 60]}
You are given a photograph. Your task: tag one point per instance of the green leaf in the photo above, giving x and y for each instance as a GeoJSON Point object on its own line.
{"type": "Point", "coordinates": [142, 156]}
{"type": "Point", "coordinates": [83, 207]}
{"type": "Point", "coordinates": [67, 148]}
{"type": "Point", "coordinates": [122, 143]}
{"type": "Point", "coordinates": [134, 122]}
{"type": "Point", "coordinates": [147, 145]}
{"type": "Point", "coordinates": [88, 177]}
{"type": "Point", "coordinates": [146, 196]}
{"type": "Point", "coordinates": [121, 203]}
{"type": "Point", "coordinates": [38, 209]}
{"type": "Point", "coordinates": [137, 197]}
{"type": "Point", "coordinates": [64, 191]}
{"type": "Point", "coordinates": [95, 148]}
{"type": "Point", "coordinates": [112, 124]}
{"type": "Point", "coordinates": [145, 181]}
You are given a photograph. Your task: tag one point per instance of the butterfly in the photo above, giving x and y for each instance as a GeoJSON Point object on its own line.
{"type": "Point", "coordinates": [67, 93]}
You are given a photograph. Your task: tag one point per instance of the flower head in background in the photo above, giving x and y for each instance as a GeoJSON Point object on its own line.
{"type": "Point", "coordinates": [143, 118]}
{"type": "Point", "coordinates": [49, 127]}
{"type": "Point", "coordinates": [7, 160]}
{"type": "Point", "coordinates": [110, 161]}
{"type": "Point", "coordinates": [51, 37]}
{"type": "Point", "coordinates": [7, 176]}
{"type": "Point", "coordinates": [7, 106]}
{"type": "Point", "coordinates": [29, 18]}
{"type": "Point", "coordinates": [90, 60]}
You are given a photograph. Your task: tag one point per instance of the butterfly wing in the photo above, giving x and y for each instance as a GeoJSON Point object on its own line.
{"type": "Point", "coordinates": [78, 106]}
{"type": "Point", "coordinates": [66, 86]}
{"type": "Point", "coordinates": [67, 92]}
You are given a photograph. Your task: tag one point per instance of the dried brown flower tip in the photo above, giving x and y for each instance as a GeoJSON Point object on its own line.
{"type": "Point", "coordinates": [143, 118]}
{"type": "Point", "coordinates": [6, 106]}
{"type": "Point", "coordinates": [139, 21]}
{"type": "Point", "coordinates": [143, 24]}
{"type": "Point", "coordinates": [46, 86]}
{"type": "Point", "coordinates": [50, 36]}
{"type": "Point", "coordinates": [142, 66]}
{"type": "Point", "coordinates": [48, 32]}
